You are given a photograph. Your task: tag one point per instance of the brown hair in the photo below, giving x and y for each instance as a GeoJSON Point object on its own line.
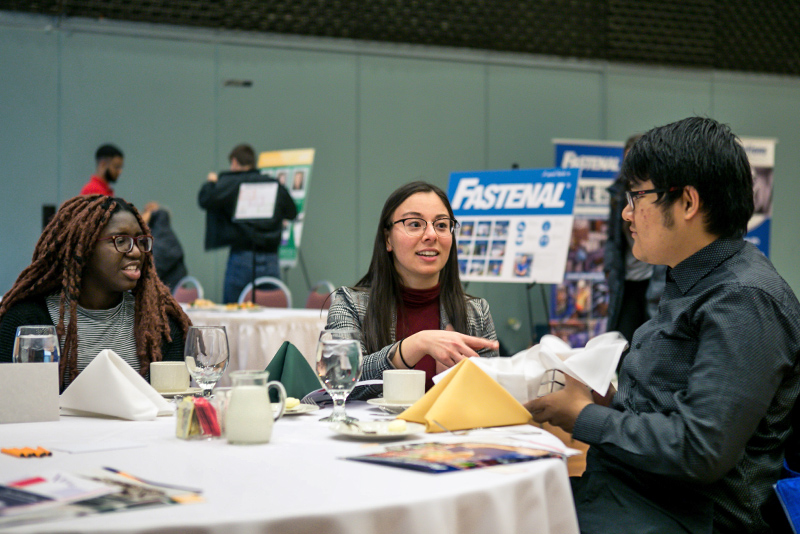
{"type": "Point", "coordinates": [59, 260]}
{"type": "Point", "coordinates": [383, 282]}
{"type": "Point", "coordinates": [244, 154]}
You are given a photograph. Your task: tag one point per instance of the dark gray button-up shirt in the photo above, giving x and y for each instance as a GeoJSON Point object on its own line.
{"type": "Point", "coordinates": [706, 391]}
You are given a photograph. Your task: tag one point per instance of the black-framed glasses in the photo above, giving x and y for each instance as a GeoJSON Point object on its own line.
{"type": "Point", "coordinates": [124, 243]}
{"type": "Point", "coordinates": [415, 226]}
{"type": "Point", "coordinates": [632, 196]}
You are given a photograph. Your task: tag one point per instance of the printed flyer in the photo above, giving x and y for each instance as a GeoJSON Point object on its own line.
{"type": "Point", "coordinates": [515, 225]}
{"type": "Point", "coordinates": [292, 168]}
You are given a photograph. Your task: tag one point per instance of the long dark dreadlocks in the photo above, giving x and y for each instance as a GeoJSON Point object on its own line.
{"type": "Point", "coordinates": [59, 259]}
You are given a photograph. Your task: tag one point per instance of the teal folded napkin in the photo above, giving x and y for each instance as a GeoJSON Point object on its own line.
{"type": "Point", "coordinates": [292, 370]}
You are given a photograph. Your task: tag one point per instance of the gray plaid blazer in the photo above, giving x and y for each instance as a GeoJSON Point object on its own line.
{"type": "Point", "coordinates": [347, 311]}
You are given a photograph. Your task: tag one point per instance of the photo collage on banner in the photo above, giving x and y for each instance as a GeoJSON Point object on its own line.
{"type": "Point", "coordinates": [514, 224]}
{"type": "Point", "coordinates": [292, 168]}
{"type": "Point", "coordinates": [579, 305]}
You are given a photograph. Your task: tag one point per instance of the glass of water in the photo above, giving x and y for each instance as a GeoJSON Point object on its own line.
{"type": "Point", "coordinates": [206, 355]}
{"type": "Point", "coordinates": [36, 344]}
{"type": "Point", "coordinates": [339, 362]}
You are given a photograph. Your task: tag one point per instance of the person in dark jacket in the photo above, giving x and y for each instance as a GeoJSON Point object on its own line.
{"type": "Point", "coordinates": [259, 237]}
{"type": "Point", "coordinates": [634, 286]}
{"type": "Point", "coordinates": [167, 250]}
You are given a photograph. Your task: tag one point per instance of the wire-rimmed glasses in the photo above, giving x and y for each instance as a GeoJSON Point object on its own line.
{"type": "Point", "coordinates": [632, 196]}
{"type": "Point", "coordinates": [124, 243]}
{"type": "Point", "coordinates": [415, 226]}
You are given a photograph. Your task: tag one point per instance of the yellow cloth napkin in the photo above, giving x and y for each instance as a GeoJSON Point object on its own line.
{"type": "Point", "coordinates": [466, 398]}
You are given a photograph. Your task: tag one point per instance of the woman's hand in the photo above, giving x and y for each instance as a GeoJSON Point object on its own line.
{"type": "Point", "coordinates": [447, 347]}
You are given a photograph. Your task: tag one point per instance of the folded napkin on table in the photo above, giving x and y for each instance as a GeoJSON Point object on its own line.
{"type": "Point", "coordinates": [110, 386]}
{"type": "Point", "coordinates": [466, 398]}
{"type": "Point", "coordinates": [292, 370]}
{"type": "Point", "coordinates": [528, 374]}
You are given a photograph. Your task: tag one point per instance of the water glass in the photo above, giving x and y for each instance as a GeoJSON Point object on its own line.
{"type": "Point", "coordinates": [206, 355]}
{"type": "Point", "coordinates": [339, 365]}
{"type": "Point", "coordinates": [36, 344]}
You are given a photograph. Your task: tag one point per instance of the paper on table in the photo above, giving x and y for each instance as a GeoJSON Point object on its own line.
{"type": "Point", "coordinates": [467, 398]}
{"type": "Point", "coordinates": [109, 386]}
{"type": "Point", "coordinates": [78, 447]}
{"type": "Point", "coordinates": [523, 374]}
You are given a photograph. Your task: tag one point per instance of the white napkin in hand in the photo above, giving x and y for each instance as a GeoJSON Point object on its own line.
{"type": "Point", "coordinates": [593, 365]}
{"type": "Point", "coordinates": [110, 386]}
{"type": "Point", "coordinates": [523, 374]}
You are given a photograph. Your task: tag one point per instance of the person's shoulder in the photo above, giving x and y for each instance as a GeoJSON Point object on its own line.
{"type": "Point", "coordinates": [28, 309]}
{"type": "Point", "coordinates": [478, 304]}
{"type": "Point", "coordinates": [351, 295]}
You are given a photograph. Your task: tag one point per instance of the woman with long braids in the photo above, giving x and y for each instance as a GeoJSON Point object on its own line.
{"type": "Point", "coordinates": [410, 307]}
{"type": "Point", "coordinates": [93, 277]}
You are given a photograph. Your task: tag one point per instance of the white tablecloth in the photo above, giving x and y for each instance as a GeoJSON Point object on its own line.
{"type": "Point", "coordinates": [296, 484]}
{"type": "Point", "coordinates": [254, 336]}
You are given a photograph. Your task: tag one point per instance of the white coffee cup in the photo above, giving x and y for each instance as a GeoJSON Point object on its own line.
{"type": "Point", "coordinates": [403, 386]}
{"type": "Point", "coordinates": [169, 377]}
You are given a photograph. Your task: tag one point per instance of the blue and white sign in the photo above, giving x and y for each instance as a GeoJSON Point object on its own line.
{"type": "Point", "coordinates": [515, 224]}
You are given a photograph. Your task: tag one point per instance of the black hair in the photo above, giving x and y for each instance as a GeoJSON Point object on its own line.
{"type": "Point", "coordinates": [107, 152]}
{"type": "Point", "coordinates": [702, 153]}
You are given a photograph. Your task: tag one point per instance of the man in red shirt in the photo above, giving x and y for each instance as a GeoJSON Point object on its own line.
{"type": "Point", "coordinates": [109, 166]}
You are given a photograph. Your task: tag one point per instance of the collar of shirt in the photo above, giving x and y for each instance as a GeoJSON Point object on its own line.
{"type": "Point", "coordinates": [697, 266]}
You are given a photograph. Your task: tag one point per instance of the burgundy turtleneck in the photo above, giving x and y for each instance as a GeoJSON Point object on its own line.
{"type": "Point", "coordinates": [420, 311]}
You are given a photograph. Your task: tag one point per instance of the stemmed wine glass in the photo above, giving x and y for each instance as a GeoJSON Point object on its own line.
{"type": "Point", "coordinates": [206, 355]}
{"type": "Point", "coordinates": [339, 362]}
{"type": "Point", "coordinates": [36, 343]}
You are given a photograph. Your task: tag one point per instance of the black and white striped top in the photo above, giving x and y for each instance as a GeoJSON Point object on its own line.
{"type": "Point", "coordinates": [101, 329]}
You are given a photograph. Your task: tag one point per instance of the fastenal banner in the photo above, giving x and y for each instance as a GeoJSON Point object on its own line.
{"type": "Point", "coordinates": [761, 154]}
{"type": "Point", "coordinates": [579, 305]}
{"type": "Point", "coordinates": [292, 168]}
{"type": "Point", "coordinates": [515, 224]}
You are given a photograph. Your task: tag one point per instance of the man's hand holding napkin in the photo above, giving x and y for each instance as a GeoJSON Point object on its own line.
{"type": "Point", "coordinates": [109, 386]}
{"type": "Point", "coordinates": [527, 375]}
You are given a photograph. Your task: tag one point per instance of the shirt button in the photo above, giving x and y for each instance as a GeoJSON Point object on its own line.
{"type": "Point", "coordinates": [638, 345]}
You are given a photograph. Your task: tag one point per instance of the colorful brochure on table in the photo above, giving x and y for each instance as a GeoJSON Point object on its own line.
{"type": "Point", "coordinates": [60, 495]}
{"type": "Point", "coordinates": [437, 457]}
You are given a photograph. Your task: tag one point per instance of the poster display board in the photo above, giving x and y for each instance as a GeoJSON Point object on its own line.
{"type": "Point", "coordinates": [579, 305]}
{"type": "Point", "coordinates": [761, 154]}
{"type": "Point", "coordinates": [292, 168]}
{"type": "Point", "coordinates": [515, 225]}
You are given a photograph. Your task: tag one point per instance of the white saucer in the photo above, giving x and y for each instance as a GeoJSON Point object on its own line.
{"type": "Point", "coordinates": [171, 394]}
{"type": "Point", "coordinates": [298, 410]}
{"type": "Point", "coordinates": [391, 407]}
{"type": "Point", "coordinates": [363, 430]}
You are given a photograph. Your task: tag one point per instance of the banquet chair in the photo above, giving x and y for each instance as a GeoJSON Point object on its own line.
{"type": "Point", "coordinates": [270, 292]}
{"type": "Point", "coordinates": [319, 298]}
{"type": "Point", "coordinates": [188, 289]}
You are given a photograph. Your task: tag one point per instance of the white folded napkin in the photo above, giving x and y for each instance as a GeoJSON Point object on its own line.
{"type": "Point", "coordinates": [110, 386]}
{"type": "Point", "coordinates": [527, 374]}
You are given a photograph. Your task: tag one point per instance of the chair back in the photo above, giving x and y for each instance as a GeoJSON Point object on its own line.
{"type": "Point", "coordinates": [188, 289]}
{"type": "Point", "coordinates": [319, 296]}
{"type": "Point", "coordinates": [270, 292]}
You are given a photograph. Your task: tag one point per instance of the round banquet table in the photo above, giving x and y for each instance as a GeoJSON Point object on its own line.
{"type": "Point", "coordinates": [254, 336]}
{"type": "Point", "coordinates": [298, 483]}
